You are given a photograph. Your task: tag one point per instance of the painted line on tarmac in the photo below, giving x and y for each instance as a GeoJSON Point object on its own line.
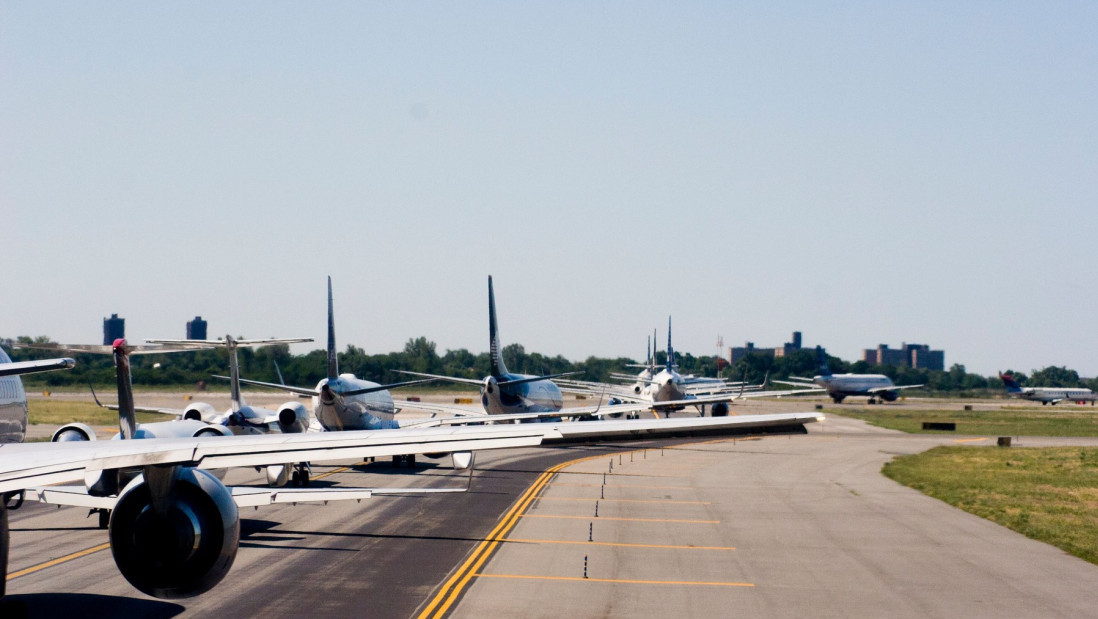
{"type": "Point", "coordinates": [58, 561]}
{"type": "Point", "coordinates": [626, 519]}
{"type": "Point", "coordinates": [332, 472]}
{"type": "Point", "coordinates": [561, 483]}
{"type": "Point", "coordinates": [569, 498]}
{"type": "Point", "coordinates": [456, 584]}
{"type": "Point", "coordinates": [581, 543]}
{"type": "Point", "coordinates": [621, 581]}
{"type": "Point", "coordinates": [970, 440]}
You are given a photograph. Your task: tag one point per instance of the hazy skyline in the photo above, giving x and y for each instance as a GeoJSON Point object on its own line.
{"type": "Point", "coordinates": [863, 173]}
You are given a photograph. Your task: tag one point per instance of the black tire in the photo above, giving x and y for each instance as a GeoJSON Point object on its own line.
{"type": "Point", "coordinates": [104, 518]}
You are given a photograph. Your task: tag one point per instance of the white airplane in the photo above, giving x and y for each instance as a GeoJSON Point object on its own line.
{"type": "Point", "coordinates": [175, 528]}
{"type": "Point", "coordinates": [1047, 395]}
{"type": "Point", "coordinates": [13, 400]}
{"type": "Point", "coordinates": [840, 386]}
{"type": "Point", "coordinates": [344, 401]}
{"type": "Point", "coordinates": [504, 393]}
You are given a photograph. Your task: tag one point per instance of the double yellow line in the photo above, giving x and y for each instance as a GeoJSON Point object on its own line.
{"type": "Point", "coordinates": [453, 587]}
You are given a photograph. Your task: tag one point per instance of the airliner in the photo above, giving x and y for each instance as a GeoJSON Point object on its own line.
{"type": "Point", "coordinates": [840, 386]}
{"type": "Point", "coordinates": [344, 401]}
{"type": "Point", "coordinates": [504, 393]}
{"type": "Point", "coordinates": [1047, 395]}
{"type": "Point", "coordinates": [13, 400]}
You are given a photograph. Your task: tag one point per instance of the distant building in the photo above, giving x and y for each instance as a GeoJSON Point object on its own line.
{"type": "Point", "coordinates": [908, 355]}
{"type": "Point", "coordinates": [196, 329]}
{"type": "Point", "coordinates": [739, 352]}
{"type": "Point", "coordinates": [114, 328]}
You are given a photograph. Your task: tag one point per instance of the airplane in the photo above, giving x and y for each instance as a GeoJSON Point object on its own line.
{"type": "Point", "coordinates": [1047, 395]}
{"type": "Point", "coordinates": [504, 393]}
{"type": "Point", "coordinates": [840, 386]}
{"type": "Point", "coordinates": [13, 399]}
{"type": "Point", "coordinates": [174, 528]}
{"type": "Point", "coordinates": [344, 401]}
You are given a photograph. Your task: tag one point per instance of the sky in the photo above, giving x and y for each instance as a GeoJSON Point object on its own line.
{"type": "Point", "coordinates": [863, 172]}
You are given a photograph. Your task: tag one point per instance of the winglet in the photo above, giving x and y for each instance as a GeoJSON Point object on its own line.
{"type": "Point", "coordinates": [494, 350]}
{"type": "Point", "coordinates": [333, 361]}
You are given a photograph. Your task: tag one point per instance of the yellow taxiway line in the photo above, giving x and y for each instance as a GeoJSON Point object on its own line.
{"type": "Point", "coordinates": [59, 560]}
{"type": "Point", "coordinates": [621, 581]}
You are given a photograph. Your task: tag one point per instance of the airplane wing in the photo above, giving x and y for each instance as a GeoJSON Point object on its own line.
{"type": "Point", "coordinates": [893, 388]}
{"type": "Point", "coordinates": [30, 465]}
{"type": "Point", "coordinates": [243, 496]}
{"type": "Point", "coordinates": [30, 367]}
{"type": "Point", "coordinates": [454, 379]}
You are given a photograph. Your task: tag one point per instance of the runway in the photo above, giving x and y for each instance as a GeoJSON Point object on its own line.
{"type": "Point", "coordinates": [772, 527]}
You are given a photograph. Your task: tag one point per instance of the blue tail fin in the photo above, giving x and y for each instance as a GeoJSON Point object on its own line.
{"type": "Point", "coordinates": [1012, 385]}
{"type": "Point", "coordinates": [494, 349]}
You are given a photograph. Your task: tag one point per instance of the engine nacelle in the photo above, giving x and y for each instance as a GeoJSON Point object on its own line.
{"type": "Point", "coordinates": [200, 411]}
{"type": "Point", "coordinates": [73, 432]}
{"type": "Point", "coordinates": [183, 552]}
{"type": "Point", "coordinates": [293, 417]}
{"type": "Point", "coordinates": [212, 430]}
{"type": "Point", "coordinates": [720, 409]}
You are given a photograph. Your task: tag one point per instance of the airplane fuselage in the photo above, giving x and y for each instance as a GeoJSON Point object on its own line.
{"type": "Point", "coordinates": [539, 396]}
{"type": "Point", "coordinates": [1052, 395]}
{"type": "Point", "coordinates": [13, 407]}
{"type": "Point", "coordinates": [367, 411]}
{"type": "Point", "coordinates": [842, 385]}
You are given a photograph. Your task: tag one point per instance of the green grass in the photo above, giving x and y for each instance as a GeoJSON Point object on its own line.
{"type": "Point", "coordinates": [60, 412]}
{"type": "Point", "coordinates": [1019, 422]}
{"type": "Point", "coordinates": [1048, 494]}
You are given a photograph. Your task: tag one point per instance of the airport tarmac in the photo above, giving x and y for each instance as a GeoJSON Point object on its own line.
{"type": "Point", "coordinates": [772, 527]}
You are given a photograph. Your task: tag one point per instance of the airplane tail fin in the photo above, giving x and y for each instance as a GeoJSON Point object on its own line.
{"type": "Point", "coordinates": [333, 361]}
{"type": "Point", "coordinates": [670, 350]}
{"type": "Point", "coordinates": [494, 349]}
{"type": "Point", "coordinates": [1012, 385]}
{"type": "Point", "coordinates": [127, 417]}
{"type": "Point", "coordinates": [821, 356]}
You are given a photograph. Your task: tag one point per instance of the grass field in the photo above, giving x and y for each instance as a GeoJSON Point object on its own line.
{"type": "Point", "coordinates": [1048, 494]}
{"type": "Point", "coordinates": [59, 412]}
{"type": "Point", "coordinates": [1062, 421]}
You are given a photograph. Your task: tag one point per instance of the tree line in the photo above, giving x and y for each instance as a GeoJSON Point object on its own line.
{"type": "Point", "coordinates": [421, 355]}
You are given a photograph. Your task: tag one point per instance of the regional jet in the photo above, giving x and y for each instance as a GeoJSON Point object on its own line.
{"type": "Point", "coordinates": [1047, 395]}
{"type": "Point", "coordinates": [840, 386]}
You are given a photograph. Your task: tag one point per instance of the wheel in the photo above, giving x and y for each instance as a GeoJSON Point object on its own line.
{"type": "Point", "coordinates": [397, 460]}
{"type": "Point", "coordinates": [304, 477]}
{"type": "Point", "coordinates": [104, 518]}
{"type": "Point", "coordinates": [411, 460]}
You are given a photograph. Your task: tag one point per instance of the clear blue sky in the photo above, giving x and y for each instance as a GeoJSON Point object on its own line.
{"type": "Point", "coordinates": [863, 172]}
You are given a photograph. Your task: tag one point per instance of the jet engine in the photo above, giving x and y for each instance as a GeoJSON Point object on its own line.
{"type": "Point", "coordinates": [73, 432]}
{"type": "Point", "coordinates": [180, 546]}
{"type": "Point", "coordinates": [719, 409]}
{"type": "Point", "coordinates": [200, 411]}
{"type": "Point", "coordinates": [293, 417]}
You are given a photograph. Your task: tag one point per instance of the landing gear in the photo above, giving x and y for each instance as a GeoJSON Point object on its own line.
{"type": "Point", "coordinates": [301, 474]}
{"type": "Point", "coordinates": [409, 459]}
{"type": "Point", "coordinates": [872, 400]}
{"type": "Point", "coordinates": [838, 399]}
{"type": "Point", "coordinates": [104, 518]}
